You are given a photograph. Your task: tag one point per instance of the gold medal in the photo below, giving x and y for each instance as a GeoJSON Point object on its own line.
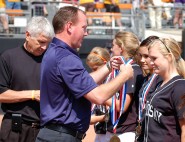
{"type": "Point", "coordinates": [138, 129]}
{"type": "Point", "coordinates": [115, 139]}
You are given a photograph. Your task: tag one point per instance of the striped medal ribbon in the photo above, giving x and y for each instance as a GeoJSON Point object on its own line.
{"type": "Point", "coordinates": [121, 95]}
{"type": "Point", "coordinates": [142, 100]}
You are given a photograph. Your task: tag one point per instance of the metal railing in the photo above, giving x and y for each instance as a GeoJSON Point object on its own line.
{"type": "Point", "coordinates": [135, 20]}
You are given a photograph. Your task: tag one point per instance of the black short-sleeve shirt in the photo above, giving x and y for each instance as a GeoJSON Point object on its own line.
{"type": "Point", "coordinates": [164, 108]}
{"type": "Point", "coordinates": [128, 120]}
{"type": "Point", "coordinates": [20, 70]}
{"type": "Point", "coordinates": [156, 82]}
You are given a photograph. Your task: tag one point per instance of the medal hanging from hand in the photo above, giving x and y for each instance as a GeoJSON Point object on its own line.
{"type": "Point", "coordinates": [122, 98]}
{"type": "Point", "coordinates": [114, 114]}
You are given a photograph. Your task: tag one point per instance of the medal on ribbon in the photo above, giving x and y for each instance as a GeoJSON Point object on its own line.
{"type": "Point", "coordinates": [138, 129]}
{"type": "Point", "coordinates": [142, 102]}
{"type": "Point", "coordinates": [121, 96]}
{"type": "Point", "coordinates": [115, 139]}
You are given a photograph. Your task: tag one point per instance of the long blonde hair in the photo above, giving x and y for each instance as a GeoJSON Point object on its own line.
{"type": "Point", "coordinates": [128, 41]}
{"type": "Point", "coordinates": [171, 46]}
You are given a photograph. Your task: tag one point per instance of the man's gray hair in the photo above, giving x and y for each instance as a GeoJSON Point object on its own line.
{"type": "Point", "coordinates": [40, 25]}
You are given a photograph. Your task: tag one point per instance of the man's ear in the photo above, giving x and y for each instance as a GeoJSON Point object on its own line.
{"type": "Point", "coordinates": [69, 27]}
{"type": "Point", "coordinates": [27, 35]}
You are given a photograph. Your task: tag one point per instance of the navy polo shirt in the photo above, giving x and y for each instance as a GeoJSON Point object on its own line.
{"type": "Point", "coordinates": [64, 82]}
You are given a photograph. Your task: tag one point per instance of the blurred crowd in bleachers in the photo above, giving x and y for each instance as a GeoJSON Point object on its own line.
{"type": "Point", "coordinates": [104, 16]}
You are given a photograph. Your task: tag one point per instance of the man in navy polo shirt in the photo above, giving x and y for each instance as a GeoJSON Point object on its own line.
{"type": "Point", "coordinates": [67, 89]}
